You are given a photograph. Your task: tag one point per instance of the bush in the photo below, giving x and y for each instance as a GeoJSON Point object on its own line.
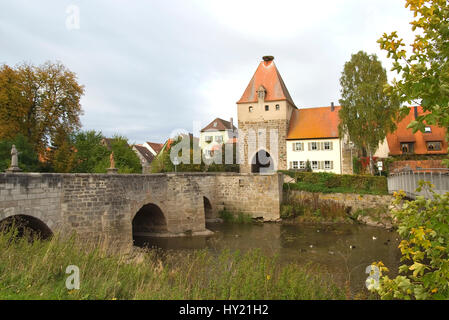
{"type": "Point", "coordinates": [240, 217]}
{"type": "Point", "coordinates": [424, 227]}
{"type": "Point", "coordinates": [333, 183]}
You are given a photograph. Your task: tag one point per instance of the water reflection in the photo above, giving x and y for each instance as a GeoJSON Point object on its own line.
{"type": "Point", "coordinates": [341, 249]}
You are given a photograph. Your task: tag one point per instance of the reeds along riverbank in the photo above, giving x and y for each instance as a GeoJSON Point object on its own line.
{"type": "Point", "coordinates": [37, 270]}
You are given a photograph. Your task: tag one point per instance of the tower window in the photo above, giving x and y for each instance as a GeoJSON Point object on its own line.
{"type": "Point", "coordinates": [267, 108]}
{"type": "Point", "coordinates": [278, 107]}
{"type": "Point", "coordinates": [250, 109]}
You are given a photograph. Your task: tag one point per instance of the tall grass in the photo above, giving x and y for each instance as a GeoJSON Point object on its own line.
{"type": "Point", "coordinates": [36, 270]}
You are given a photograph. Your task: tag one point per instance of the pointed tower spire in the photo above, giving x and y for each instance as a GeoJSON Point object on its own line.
{"type": "Point", "coordinates": [268, 77]}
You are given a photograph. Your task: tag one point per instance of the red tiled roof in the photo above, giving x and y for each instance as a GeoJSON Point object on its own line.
{"type": "Point", "coordinates": [314, 123]}
{"type": "Point", "coordinates": [157, 147]}
{"type": "Point", "coordinates": [219, 125]}
{"type": "Point", "coordinates": [268, 76]}
{"type": "Point", "coordinates": [402, 134]}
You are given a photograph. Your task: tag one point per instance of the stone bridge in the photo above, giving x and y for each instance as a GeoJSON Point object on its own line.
{"type": "Point", "coordinates": [120, 207]}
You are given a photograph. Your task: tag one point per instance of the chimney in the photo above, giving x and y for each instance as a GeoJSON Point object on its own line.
{"type": "Point", "coordinates": [332, 107]}
{"type": "Point", "coordinates": [416, 112]}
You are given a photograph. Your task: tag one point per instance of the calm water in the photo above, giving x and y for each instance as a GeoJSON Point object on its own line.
{"type": "Point", "coordinates": [328, 246]}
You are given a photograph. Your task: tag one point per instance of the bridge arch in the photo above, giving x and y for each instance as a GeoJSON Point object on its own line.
{"type": "Point", "coordinates": [149, 221]}
{"type": "Point", "coordinates": [208, 210]}
{"type": "Point", "coordinates": [262, 162]}
{"type": "Point", "coordinates": [26, 226]}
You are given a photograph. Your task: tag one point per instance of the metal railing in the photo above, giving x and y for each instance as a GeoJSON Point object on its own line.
{"type": "Point", "coordinates": [408, 181]}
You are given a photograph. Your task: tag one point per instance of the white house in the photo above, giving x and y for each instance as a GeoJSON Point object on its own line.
{"type": "Point", "coordinates": [313, 136]}
{"type": "Point", "coordinates": [215, 134]}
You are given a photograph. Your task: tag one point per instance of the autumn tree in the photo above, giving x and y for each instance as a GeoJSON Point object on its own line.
{"type": "Point", "coordinates": [424, 69]}
{"type": "Point", "coordinates": [39, 102]}
{"type": "Point", "coordinates": [368, 112]}
{"type": "Point", "coordinates": [61, 156]}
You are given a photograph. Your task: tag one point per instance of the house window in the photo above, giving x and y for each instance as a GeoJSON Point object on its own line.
{"type": "Point", "coordinates": [298, 146]}
{"type": "Point", "coordinates": [302, 164]}
{"type": "Point", "coordinates": [327, 145]}
{"type": "Point", "coordinates": [407, 147]}
{"type": "Point", "coordinates": [295, 164]}
{"type": "Point", "coordinates": [328, 165]}
{"type": "Point", "coordinates": [434, 146]}
{"type": "Point", "coordinates": [267, 108]}
{"type": "Point", "coordinates": [208, 139]}
{"type": "Point", "coordinates": [314, 165]}
{"type": "Point", "coordinates": [314, 145]}
{"type": "Point", "coordinates": [219, 139]}
{"type": "Point", "coordinates": [250, 109]}
{"type": "Point", "coordinates": [428, 130]}
{"type": "Point", "coordinates": [278, 107]}
{"type": "Point", "coordinates": [215, 124]}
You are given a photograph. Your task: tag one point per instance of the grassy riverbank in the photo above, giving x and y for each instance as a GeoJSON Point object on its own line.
{"type": "Point", "coordinates": [36, 270]}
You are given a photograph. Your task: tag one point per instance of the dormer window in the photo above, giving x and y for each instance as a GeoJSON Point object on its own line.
{"type": "Point", "coordinates": [267, 108]}
{"type": "Point", "coordinates": [278, 107]}
{"type": "Point", "coordinates": [428, 130]}
{"type": "Point", "coordinates": [261, 93]}
{"type": "Point", "coordinates": [434, 146]}
{"type": "Point", "coordinates": [215, 124]}
{"type": "Point", "coordinates": [250, 109]}
{"type": "Point", "coordinates": [407, 148]}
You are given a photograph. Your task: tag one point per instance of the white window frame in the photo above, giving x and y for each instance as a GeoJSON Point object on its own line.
{"type": "Point", "coordinates": [313, 166]}
{"type": "Point", "coordinates": [219, 139]}
{"type": "Point", "coordinates": [295, 165]}
{"type": "Point", "coordinates": [302, 164]}
{"type": "Point", "coordinates": [295, 146]}
{"type": "Point", "coordinates": [328, 165]}
{"type": "Point", "coordinates": [312, 144]}
{"type": "Point", "coordinates": [209, 139]}
{"type": "Point", "coordinates": [327, 145]}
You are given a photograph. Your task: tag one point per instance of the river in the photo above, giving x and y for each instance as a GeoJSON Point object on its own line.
{"type": "Point", "coordinates": [336, 249]}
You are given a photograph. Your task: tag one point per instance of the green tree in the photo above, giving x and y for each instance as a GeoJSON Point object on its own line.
{"type": "Point", "coordinates": [368, 111]}
{"type": "Point", "coordinates": [424, 70]}
{"type": "Point", "coordinates": [90, 153]}
{"type": "Point", "coordinates": [126, 160]}
{"type": "Point", "coordinates": [28, 158]}
{"type": "Point", "coordinates": [39, 102]}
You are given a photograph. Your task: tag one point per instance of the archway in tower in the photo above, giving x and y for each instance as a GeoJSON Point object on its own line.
{"type": "Point", "coordinates": [262, 162]}
{"type": "Point", "coordinates": [26, 226]}
{"type": "Point", "coordinates": [149, 221]}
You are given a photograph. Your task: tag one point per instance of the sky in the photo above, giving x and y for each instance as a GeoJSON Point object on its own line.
{"type": "Point", "coordinates": [151, 68]}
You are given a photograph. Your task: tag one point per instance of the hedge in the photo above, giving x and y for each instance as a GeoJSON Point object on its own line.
{"type": "Point", "coordinates": [335, 183]}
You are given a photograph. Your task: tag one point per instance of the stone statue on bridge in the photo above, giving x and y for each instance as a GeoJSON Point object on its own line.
{"type": "Point", "coordinates": [14, 160]}
{"type": "Point", "coordinates": [112, 169]}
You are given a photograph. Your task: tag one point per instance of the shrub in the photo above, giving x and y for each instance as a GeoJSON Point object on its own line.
{"type": "Point", "coordinates": [424, 227]}
{"type": "Point", "coordinates": [329, 183]}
